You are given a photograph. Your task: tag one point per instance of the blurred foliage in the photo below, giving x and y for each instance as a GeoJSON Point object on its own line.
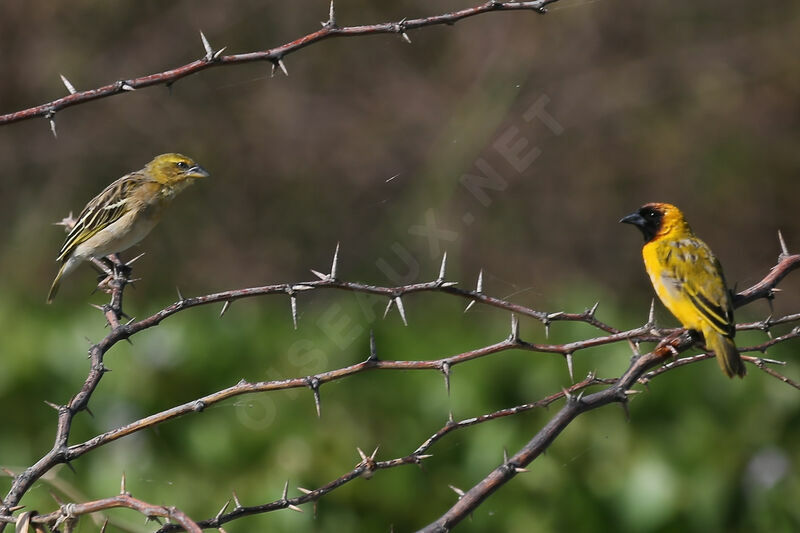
{"type": "Point", "coordinates": [694, 104]}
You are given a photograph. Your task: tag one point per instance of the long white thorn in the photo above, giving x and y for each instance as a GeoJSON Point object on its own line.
{"type": "Point", "coordinates": [361, 453]}
{"type": "Point", "coordinates": [283, 67]}
{"type": "Point", "coordinates": [207, 46]}
{"type": "Point", "coordinates": [50, 118]}
{"type": "Point", "coordinates": [514, 327]}
{"type": "Point", "coordinates": [568, 356]}
{"type": "Point", "coordinates": [335, 262]}
{"type": "Point", "coordinates": [478, 289]}
{"type": "Point", "coordinates": [222, 511]}
{"type": "Point", "coordinates": [236, 502]}
{"type": "Point", "coordinates": [446, 374]}
{"type": "Point", "coordinates": [388, 306]}
{"type": "Point", "coordinates": [67, 84]}
{"type": "Point", "coordinates": [784, 248]}
{"type": "Point", "coordinates": [402, 310]}
{"type": "Point", "coordinates": [457, 491]}
{"type": "Point", "coordinates": [132, 261]}
{"type": "Point", "coordinates": [443, 267]}
{"type": "Point", "coordinates": [317, 402]}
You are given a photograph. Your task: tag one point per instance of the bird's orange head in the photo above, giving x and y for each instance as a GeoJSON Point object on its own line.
{"type": "Point", "coordinates": [658, 219]}
{"type": "Point", "coordinates": [170, 169]}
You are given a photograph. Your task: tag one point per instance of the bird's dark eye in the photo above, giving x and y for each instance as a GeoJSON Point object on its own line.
{"type": "Point", "coordinates": [182, 164]}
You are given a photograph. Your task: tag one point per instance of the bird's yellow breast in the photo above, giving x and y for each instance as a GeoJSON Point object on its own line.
{"type": "Point", "coordinates": [667, 285]}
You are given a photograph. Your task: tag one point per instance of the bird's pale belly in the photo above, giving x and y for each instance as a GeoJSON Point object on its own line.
{"type": "Point", "coordinates": [117, 237]}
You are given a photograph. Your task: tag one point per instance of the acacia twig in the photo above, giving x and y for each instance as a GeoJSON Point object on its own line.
{"type": "Point", "coordinates": [275, 56]}
{"type": "Point", "coordinates": [368, 466]}
{"type": "Point", "coordinates": [70, 512]}
{"type": "Point", "coordinates": [575, 406]}
{"type": "Point", "coordinates": [617, 392]}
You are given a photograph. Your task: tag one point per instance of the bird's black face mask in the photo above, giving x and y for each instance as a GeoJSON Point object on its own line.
{"type": "Point", "coordinates": [647, 219]}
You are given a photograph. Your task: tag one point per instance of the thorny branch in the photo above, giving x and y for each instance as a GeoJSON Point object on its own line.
{"type": "Point", "coordinates": [619, 389]}
{"type": "Point", "coordinates": [274, 56]}
{"type": "Point", "coordinates": [369, 465]}
{"type": "Point", "coordinates": [67, 514]}
{"type": "Point", "coordinates": [641, 370]}
{"type": "Point", "coordinates": [576, 405]}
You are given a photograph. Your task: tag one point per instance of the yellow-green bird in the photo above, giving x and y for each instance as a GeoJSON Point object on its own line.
{"type": "Point", "coordinates": [688, 279]}
{"type": "Point", "coordinates": [125, 212]}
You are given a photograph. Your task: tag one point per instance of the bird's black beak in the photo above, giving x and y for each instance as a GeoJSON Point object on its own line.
{"type": "Point", "coordinates": [197, 172]}
{"type": "Point", "coordinates": [634, 218]}
{"type": "Point", "coordinates": [649, 228]}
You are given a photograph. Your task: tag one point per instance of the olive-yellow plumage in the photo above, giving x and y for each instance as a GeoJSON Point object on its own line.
{"type": "Point", "coordinates": [688, 279]}
{"type": "Point", "coordinates": [125, 212]}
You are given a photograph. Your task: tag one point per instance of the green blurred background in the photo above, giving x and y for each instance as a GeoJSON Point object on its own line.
{"type": "Point", "coordinates": [693, 103]}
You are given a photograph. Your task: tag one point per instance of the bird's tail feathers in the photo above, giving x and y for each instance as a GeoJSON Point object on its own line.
{"type": "Point", "coordinates": [56, 283]}
{"type": "Point", "coordinates": [727, 355]}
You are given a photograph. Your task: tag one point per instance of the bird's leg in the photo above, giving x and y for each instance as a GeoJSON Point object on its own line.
{"type": "Point", "coordinates": [102, 266]}
{"type": "Point", "coordinates": [694, 335]}
{"type": "Point", "coordinates": [105, 271]}
{"type": "Point", "coordinates": [121, 269]}
{"type": "Point", "coordinates": [111, 268]}
{"type": "Point", "coordinates": [114, 284]}
{"type": "Point", "coordinates": [116, 275]}
{"type": "Point", "coordinates": [104, 283]}
{"type": "Point", "coordinates": [672, 338]}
